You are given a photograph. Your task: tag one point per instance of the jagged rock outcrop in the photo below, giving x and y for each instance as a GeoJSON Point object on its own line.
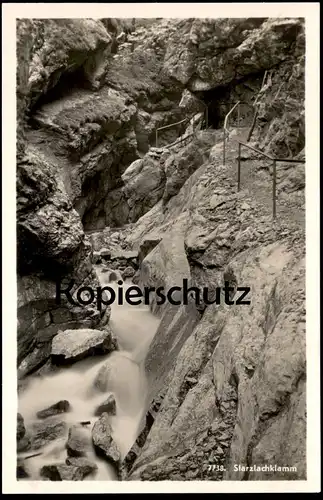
{"type": "Point", "coordinates": [216, 51]}
{"type": "Point", "coordinates": [103, 441]}
{"type": "Point", "coordinates": [51, 244]}
{"type": "Point", "coordinates": [66, 46]}
{"type": "Point", "coordinates": [85, 121]}
{"type": "Point", "coordinates": [280, 124]}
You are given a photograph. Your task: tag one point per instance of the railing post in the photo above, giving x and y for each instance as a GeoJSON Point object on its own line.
{"type": "Point", "coordinates": [223, 146]}
{"type": "Point", "coordinates": [239, 164]}
{"type": "Point", "coordinates": [239, 115]}
{"type": "Point", "coordinates": [156, 138]}
{"type": "Point", "coordinates": [274, 189]}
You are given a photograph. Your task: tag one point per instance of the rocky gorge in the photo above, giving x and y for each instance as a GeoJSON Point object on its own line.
{"type": "Point", "coordinates": [121, 176]}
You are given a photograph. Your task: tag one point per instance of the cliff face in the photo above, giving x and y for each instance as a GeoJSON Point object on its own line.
{"type": "Point", "coordinates": [51, 242]}
{"type": "Point", "coordinates": [226, 383]}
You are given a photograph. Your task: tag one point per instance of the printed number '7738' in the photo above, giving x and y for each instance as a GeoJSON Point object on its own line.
{"type": "Point", "coordinates": [215, 468]}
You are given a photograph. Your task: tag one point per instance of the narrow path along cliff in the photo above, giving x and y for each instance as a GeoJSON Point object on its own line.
{"type": "Point", "coordinates": [195, 391]}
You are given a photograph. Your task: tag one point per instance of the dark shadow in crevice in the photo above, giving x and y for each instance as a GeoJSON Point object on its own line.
{"type": "Point", "coordinates": [68, 82]}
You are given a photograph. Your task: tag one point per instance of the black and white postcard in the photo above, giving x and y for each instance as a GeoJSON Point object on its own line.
{"type": "Point", "coordinates": [161, 279]}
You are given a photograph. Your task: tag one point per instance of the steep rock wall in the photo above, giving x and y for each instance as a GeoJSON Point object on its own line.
{"type": "Point", "coordinates": [51, 242]}
{"type": "Point", "coordinates": [227, 383]}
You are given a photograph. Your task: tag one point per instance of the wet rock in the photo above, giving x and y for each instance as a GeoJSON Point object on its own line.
{"type": "Point", "coordinates": [63, 472]}
{"type": "Point", "coordinates": [78, 442]}
{"type": "Point", "coordinates": [72, 345]}
{"type": "Point", "coordinates": [103, 441]}
{"type": "Point", "coordinates": [42, 433]}
{"type": "Point", "coordinates": [21, 430]}
{"type": "Point", "coordinates": [108, 406]}
{"type": "Point", "coordinates": [59, 407]}
{"type": "Point", "coordinates": [86, 466]}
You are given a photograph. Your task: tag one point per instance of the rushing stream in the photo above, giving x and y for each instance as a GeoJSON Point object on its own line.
{"type": "Point", "coordinates": [134, 327]}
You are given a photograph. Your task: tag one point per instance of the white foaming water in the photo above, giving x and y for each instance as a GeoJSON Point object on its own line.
{"type": "Point", "coordinates": [87, 383]}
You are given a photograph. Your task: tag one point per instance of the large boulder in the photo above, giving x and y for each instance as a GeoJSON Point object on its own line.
{"type": "Point", "coordinates": [103, 441]}
{"type": "Point", "coordinates": [108, 406]}
{"type": "Point", "coordinates": [78, 442]}
{"type": "Point", "coordinates": [70, 346]}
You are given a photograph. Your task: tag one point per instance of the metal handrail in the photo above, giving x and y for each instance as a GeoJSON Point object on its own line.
{"type": "Point", "coordinates": [228, 114]}
{"type": "Point", "coordinates": [225, 130]}
{"type": "Point", "coordinates": [258, 151]}
{"type": "Point", "coordinates": [187, 119]}
{"type": "Point", "coordinates": [181, 121]}
{"type": "Point", "coordinates": [173, 124]}
{"type": "Point", "coordinates": [181, 139]}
